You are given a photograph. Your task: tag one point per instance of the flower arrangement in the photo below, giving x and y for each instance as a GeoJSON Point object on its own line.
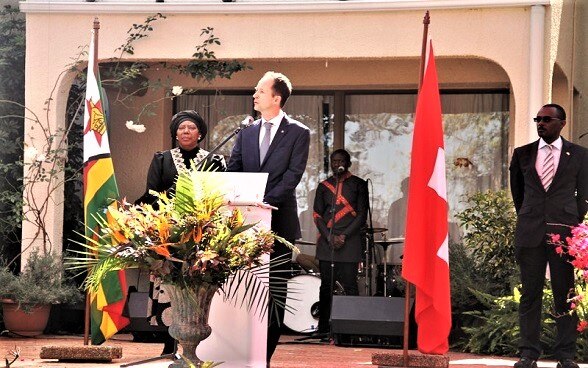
{"type": "Point", "coordinates": [576, 248]}
{"type": "Point", "coordinates": [192, 238]}
{"type": "Point", "coordinates": [194, 244]}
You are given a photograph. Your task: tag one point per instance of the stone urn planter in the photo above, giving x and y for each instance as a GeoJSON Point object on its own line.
{"type": "Point", "coordinates": [25, 320]}
{"type": "Point", "coordinates": [190, 309]}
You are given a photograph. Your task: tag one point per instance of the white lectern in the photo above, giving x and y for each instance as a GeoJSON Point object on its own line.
{"type": "Point", "coordinates": [239, 337]}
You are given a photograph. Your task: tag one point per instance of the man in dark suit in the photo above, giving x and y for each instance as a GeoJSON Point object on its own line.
{"type": "Point", "coordinates": [278, 145]}
{"type": "Point", "coordinates": [549, 185]}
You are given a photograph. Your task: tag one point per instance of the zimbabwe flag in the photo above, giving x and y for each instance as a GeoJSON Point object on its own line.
{"type": "Point", "coordinates": [100, 191]}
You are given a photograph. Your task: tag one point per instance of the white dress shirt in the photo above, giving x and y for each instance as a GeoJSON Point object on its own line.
{"type": "Point", "coordinates": [275, 125]}
{"type": "Point", "coordinates": [542, 152]}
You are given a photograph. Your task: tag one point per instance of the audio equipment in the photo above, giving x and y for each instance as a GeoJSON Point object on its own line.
{"type": "Point", "coordinates": [361, 320]}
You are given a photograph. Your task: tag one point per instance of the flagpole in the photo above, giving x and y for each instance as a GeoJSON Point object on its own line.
{"type": "Point", "coordinates": [95, 66]}
{"type": "Point", "coordinates": [426, 21]}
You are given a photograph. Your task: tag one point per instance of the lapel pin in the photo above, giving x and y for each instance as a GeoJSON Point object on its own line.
{"type": "Point", "coordinates": [281, 131]}
{"type": "Point", "coordinates": [567, 153]}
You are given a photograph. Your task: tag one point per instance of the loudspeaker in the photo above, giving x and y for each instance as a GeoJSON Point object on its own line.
{"type": "Point", "coordinates": [364, 315]}
{"type": "Point", "coordinates": [138, 315]}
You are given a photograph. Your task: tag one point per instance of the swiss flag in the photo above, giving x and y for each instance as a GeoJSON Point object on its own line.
{"type": "Point", "coordinates": [426, 255]}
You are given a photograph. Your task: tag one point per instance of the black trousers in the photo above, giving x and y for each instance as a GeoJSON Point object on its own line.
{"type": "Point", "coordinates": [532, 263]}
{"type": "Point", "coordinates": [346, 274]}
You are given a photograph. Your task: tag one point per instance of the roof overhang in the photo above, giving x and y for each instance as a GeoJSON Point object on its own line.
{"type": "Point", "coordinates": [261, 6]}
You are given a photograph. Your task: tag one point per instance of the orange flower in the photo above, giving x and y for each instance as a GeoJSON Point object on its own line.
{"type": "Point", "coordinates": [119, 237]}
{"type": "Point", "coordinates": [162, 250]}
{"type": "Point", "coordinates": [197, 234]}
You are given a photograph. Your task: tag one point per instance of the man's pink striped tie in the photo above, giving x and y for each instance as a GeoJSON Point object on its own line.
{"type": "Point", "coordinates": [548, 168]}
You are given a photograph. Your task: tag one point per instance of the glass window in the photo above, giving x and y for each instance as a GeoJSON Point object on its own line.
{"type": "Point", "coordinates": [222, 113]}
{"type": "Point", "coordinates": [316, 112]}
{"type": "Point", "coordinates": [378, 135]}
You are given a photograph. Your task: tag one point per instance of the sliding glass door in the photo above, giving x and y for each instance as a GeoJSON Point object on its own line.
{"type": "Point", "coordinates": [378, 134]}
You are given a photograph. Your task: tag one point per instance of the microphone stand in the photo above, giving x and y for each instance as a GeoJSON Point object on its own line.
{"type": "Point", "coordinates": [333, 210]}
{"type": "Point", "coordinates": [368, 255]}
{"type": "Point", "coordinates": [175, 356]}
{"type": "Point", "coordinates": [212, 152]}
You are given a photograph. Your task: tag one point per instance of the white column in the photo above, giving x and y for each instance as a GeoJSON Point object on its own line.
{"type": "Point", "coordinates": [536, 65]}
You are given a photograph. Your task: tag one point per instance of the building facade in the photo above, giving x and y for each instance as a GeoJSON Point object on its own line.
{"type": "Point", "coordinates": [355, 70]}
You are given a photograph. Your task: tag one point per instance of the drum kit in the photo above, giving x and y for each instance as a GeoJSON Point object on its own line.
{"type": "Point", "coordinates": [379, 275]}
{"type": "Point", "coordinates": [385, 267]}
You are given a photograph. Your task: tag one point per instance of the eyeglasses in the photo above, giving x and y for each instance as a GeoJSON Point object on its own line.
{"type": "Point", "coordinates": [545, 119]}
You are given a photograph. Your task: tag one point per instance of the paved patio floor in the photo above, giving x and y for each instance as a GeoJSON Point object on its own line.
{"type": "Point", "coordinates": [290, 354]}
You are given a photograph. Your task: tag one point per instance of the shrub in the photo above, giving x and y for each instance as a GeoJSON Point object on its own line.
{"type": "Point", "coordinates": [496, 330]}
{"type": "Point", "coordinates": [489, 225]}
{"type": "Point", "coordinates": [42, 281]}
{"type": "Point", "coordinates": [12, 57]}
{"type": "Point", "coordinates": [483, 265]}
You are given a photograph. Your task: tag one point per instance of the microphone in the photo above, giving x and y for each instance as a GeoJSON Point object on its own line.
{"type": "Point", "coordinates": [247, 121]}
{"type": "Point", "coordinates": [340, 169]}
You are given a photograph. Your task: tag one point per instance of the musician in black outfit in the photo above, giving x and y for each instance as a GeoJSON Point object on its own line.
{"type": "Point", "coordinates": [345, 241]}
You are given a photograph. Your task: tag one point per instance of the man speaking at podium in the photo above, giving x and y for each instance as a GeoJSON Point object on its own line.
{"type": "Point", "coordinates": [278, 145]}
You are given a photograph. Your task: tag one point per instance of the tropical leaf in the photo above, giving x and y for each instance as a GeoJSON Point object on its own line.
{"type": "Point", "coordinates": [191, 238]}
{"type": "Point", "coordinates": [259, 291]}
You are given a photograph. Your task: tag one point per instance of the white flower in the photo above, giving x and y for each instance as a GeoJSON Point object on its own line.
{"type": "Point", "coordinates": [41, 157]}
{"type": "Point", "coordinates": [177, 90]}
{"type": "Point", "coordinates": [139, 128]}
{"type": "Point", "coordinates": [30, 153]}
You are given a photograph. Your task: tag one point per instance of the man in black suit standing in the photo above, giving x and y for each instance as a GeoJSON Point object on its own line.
{"type": "Point", "coordinates": [549, 185]}
{"type": "Point", "coordinates": [278, 145]}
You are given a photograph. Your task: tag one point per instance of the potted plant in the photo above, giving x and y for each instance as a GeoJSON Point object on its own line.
{"type": "Point", "coordinates": [27, 297]}
{"type": "Point", "coordinates": [194, 243]}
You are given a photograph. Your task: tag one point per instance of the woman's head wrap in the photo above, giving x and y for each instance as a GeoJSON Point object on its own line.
{"type": "Point", "coordinates": [190, 115]}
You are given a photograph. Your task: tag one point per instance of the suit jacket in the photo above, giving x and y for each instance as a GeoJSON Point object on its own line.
{"type": "Point", "coordinates": [541, 212]}
{"type": "Point", "coordinates": [285, 162]}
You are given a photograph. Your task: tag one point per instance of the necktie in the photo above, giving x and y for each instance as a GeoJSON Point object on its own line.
{"type": "Point", "coordinates": [265, 143]}
{"type": "Point", "coordinates": [548, 168]}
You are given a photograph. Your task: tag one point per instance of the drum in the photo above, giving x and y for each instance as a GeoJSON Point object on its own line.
{"type": "Point", "coordinates": [303, 298]}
